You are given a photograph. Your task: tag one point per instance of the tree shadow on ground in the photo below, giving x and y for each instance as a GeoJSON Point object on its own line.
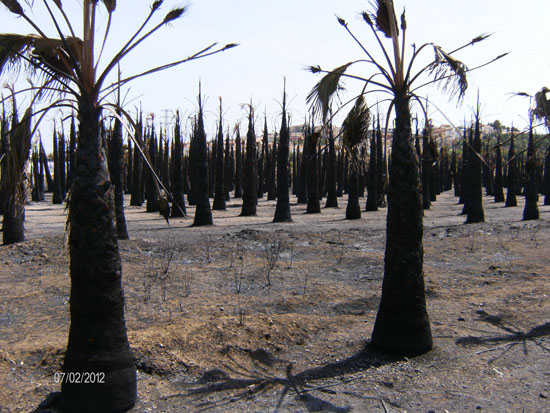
{"type": "Point", "coordinates": [510, 337]}
{"type": "Point", "coordinates": [235, 382]}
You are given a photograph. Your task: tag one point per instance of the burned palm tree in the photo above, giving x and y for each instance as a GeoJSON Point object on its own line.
{"type": "Point", "coordinates": [97, 335]}
{"type": "Point", "coordinates": [402, 323]}
{"type": "Point", "coordinates": [178, 209]}
{"type": "Point", "coordinates": [203, 212]}
{"type": "Point", "coordinates": [250, 196]}
{"type": "Point", "coordinates": [332, 199]}
{"type": "Point", "coordinates": [531, 210]}
{"type": "Point", "coordinates": [282, 209]}
{"type": "Point", "coordinates": [498, 187]}
{"type": "Point", "coordinates": [219, 190]}
{"type": "Point", "coordinates": [12, 183]}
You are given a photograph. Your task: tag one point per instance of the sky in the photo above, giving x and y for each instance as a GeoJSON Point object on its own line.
{"type": "Point", "coordinates": [278, 39]}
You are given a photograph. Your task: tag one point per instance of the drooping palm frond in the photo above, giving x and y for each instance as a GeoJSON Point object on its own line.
{"type": "Point", "coordinates": [320, 96]}
{"type": "Point", "coordinates": [450, 72]}
{"type": "Point", "coordinates": [49, 53]}
{"type": "Point", "coordinates": [542, 105]}
{"type": "Point", "coordinates": [356, 124]}
{"type": "Point", "coordinates": [12, 46]}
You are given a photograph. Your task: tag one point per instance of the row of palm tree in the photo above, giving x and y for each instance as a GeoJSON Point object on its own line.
{"type": "Point", "coordinates": [69, 66]}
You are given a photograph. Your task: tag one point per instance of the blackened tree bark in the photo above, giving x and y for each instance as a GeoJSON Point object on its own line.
{"type": "Point", "coordinates": [313, 204]}
{"type": "Point", "coordinates": [332, 199]}
{"type": "Point", "coordinates": [136, 199]}
{"type": "Point", "coordinates": [475, 211]}
{"type": "Point", "coordinates": [302, 188]}
{"type": "Point", "coordinates": [151, 189]}
{"type": "Point", "coordinates": [499, 192]}
{"type": "Point", "coordinates": [282, 209]}
{"type": "Point", "coordinates": [531, 210]}
{"type": "Point", "coordinates": [426, 166]}
{"type": "Point", "coordinates": [219, 190]}
{"type": "Point", "coordinates": [353, 209]}
{"type": "Point", "coordinates": [372, 195]}
{"type": "Point", "coordinates": [71, 153]}
{"type": "Point", "coordinates": [402, 323]}
{"type": "Point", "coordinates": [13, 179]}
{"type": "Point", "coordinates": [238, 165]}
{"type": "Point", "coordinates": [62, 170]}
{"type": "Point", "coordinates": [273, 161]}
{"type": "Point", "coordinates": [250, 198]}
{"type": "Point", "coordinates": [129, 168]}
{"type": "Point", "coordinates": [97, 334]}
{"type": "Point", "coordinates": [381, 168]}
{"type": "Point", "coordinates": [512, 176]}
{"type": "Point", "coordinates": [116, 170]}
{"type": "Point", "coordinates": [57, 196]}
{"type": "Point", "coordinates": [46, 167]}
{"type": "Point", "coordinates": [226, 169]}
{"type": "Point", "coordinates": [203, 213]}
{"type": "Point", "coordinates": [178, 209]}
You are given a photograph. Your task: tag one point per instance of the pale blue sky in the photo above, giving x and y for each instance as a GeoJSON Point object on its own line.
{"type": "Point", "coordinates": [278, 38]}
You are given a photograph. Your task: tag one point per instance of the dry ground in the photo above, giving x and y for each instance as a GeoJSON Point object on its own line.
{"type": "Point", "coordinates": [253, 316]}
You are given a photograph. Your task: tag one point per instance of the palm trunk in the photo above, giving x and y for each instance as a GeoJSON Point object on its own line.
{"type": "Point", "coordinates": [97, 334]}
{"type": "Point", "coordinates": [282, 210]}
{"type": "Point", "coordinates": [353, 209]}
{"type": "Point", "coordinates": [402, 324]}
{"type": "Point", "coordinates": [116, 168]}
{"type": "Point", "coordinates": [531, 210]}
{"type": "Point", "coordinates": [332, 199]}
{"type": "Point", "coordinates": [250, 198]}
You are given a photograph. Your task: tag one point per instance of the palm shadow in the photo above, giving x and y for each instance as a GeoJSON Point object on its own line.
{"type": "Point", "coordinates": [510, 337]}
{"type": "Point", "coordinates": [234, 381]}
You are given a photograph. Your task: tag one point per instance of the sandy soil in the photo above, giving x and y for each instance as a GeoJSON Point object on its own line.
{"type": "Point", "coordinates": [253, 316]}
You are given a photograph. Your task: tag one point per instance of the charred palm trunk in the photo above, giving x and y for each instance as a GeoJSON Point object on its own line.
{"type": "Point", "coordinates": [203, 213]}
{"type": "Point", "coordinates": [238, 166]}
{"type": "Point", "coordinates": [178, 209]}
{"type": "Point", "coordinates": [313, 204]}
{"type": "Point", "coordinates": [226, 170]}
{"type": "Point", "coordinates": [282, 209]}
{"type": "Point", "coordinates": [57, 196]}
{"type": "Point", "coordinates": [97, 335]}
{"type": "Point", "coordinates": [426, 167]}
{"type": "Point", "coordinates": [531, 210]}
{"type": "Point", "coordinates": [302, 188]}
{"type": "Point", "coordinates": [219, 190]}
{"type": "Point", "coordinates": [498, 187]}
{"type": "Point", "coordinates": [402, 324]}
{"type": "Point", "coordinates": [353, 209]}
{"type": "Point", "coordinates": [116, 170]}
{"type": "Point", "coordinates": [511, 178]}
{"type": "Point", "coordinates": [136, 199]}
{"type": "Point", "coordinates": [151, 190]}
{"type": "Point", "coordinates": [475, 211]}
{"type": "Point", "coordinates": [250, 198]}
{"type": "Point", "coordinates": [332, 199]}
{"type": "Point", "coordinates": [12, 182]}
{"type": "Point", "coordinates": [372, 195]}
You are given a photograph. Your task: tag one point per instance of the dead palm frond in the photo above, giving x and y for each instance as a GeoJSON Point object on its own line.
{"type": "Point", "coordinates": [322, 93]}
{"type": "Point", "coordinates": [542, 105]}
{"type": "Point", "coordinates": [450, 72]}
{"type": "Point", "coordinates": [356, 124]}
